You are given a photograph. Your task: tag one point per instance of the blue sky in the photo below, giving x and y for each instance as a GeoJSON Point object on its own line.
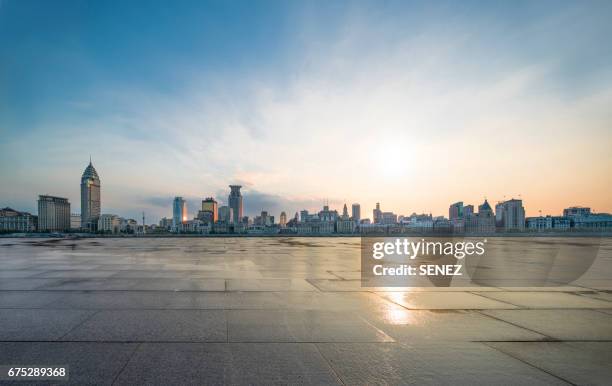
{"type": "Point", "coordinates": [413, 104]}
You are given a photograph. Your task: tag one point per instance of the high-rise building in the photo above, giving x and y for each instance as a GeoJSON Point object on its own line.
{"type": "Point", "coordinates": [455, 211]}
{"type": "Point", "coordinates": [210, 212]}
{"type": "Point", "coordinates": [90, 197]}
{"type": "Point", "coordinates": [53, 213]}
{"type": "Point", "coordinates": [283, 220]}
{"type": "Point", "coordinates": [235, 202]}
{"type": "Point", "coordinates": [226, 214]}
{"type": "Point", "coordinates": [356, 211]}
{"type": "Point", "coordinates": [512, 214]}
{"type": "Point", "coordinates": [377, 214]}
{"type": "Point", "coordinates": [179, 213]}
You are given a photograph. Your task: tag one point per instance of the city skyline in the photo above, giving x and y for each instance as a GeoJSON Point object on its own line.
{"type": "Point", "coordinates": [308, 103]}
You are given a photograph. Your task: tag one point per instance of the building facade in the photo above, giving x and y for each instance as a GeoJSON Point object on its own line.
{"type": "Point", "coordinates": [226, 214]}
{"type": "Point", "coordinates": [90, 197]}
{"type": "Point", "coordinates": [356, 213]}
{"type": "Point", "coordinates": [109, 223]}
{"type": "Point", "coordinates": [512, 216]}
{"type": "Point", "coordinates": [210, 212]}
{"type": "Point", "coordinates": [235, 202]}
{"type": "Point", "coordinates": [179, 213]}
{"type": "Point", "coordinates": [14, 221]}
{"type": "Point", "coordinates": [53, 214]}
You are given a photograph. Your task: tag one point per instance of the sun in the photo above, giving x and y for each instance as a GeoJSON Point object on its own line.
{"type": "Point", "coordinates": [392, 160]}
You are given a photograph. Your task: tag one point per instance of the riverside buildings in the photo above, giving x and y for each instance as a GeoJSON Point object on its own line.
{"type": "Point", "coordinates": [14, 221]}
{"type": "Point", "coordinates": [53, 214]}
{"type": "Point", "coordinates": [90, 198]}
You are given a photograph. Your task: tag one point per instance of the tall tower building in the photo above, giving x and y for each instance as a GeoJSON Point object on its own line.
{"type": "Point", "coordinates": [235, 202]}
{"type": "Point", "coordinates": [356, 212]}
{"type": "Point", "coordinates": [90, 197]}
{"type": "Point", "coordinates": [179, 212]}
{"type": "Point", "coordinates": [283, 220]}
{"type": "Point", "coordinates": [377, 214]}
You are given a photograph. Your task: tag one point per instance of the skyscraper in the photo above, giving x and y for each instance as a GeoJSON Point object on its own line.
{"type": "Point", "coordinates": [283, 220]}
{"type": "Point", "coordinates": [377, 214]}
{"type": "Point", "coordinates": [90, 197]}
{"type": "Point", "coordinates": [53, 213]}
{"type": "Point", "coordinates": [235, 202]}
{"type": "Point", "coordinates": [209, 212]}
{"type": "Point", "coordinates": [356, 211]}
{"type": "Point", "coordinates": [179, 213]}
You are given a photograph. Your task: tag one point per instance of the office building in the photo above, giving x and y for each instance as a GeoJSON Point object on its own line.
{"type": "Point", "coordinates": [53, 214]}
{"type": "Point", "coordinates": [283, 220]}
{"type": "Point", "coordinates": [226, 214]}
{"type": "Point", "coordinates": [90, 197]}
{"type": "Point", "coordinates": [512, 215]}
{"type": "Point", "coordinates": [235, 202]}
{"type": "Point", "coordinates": [75, 221]}
{"type": "Point", "coordinates": [14, 221]}
{"type": "Point", "coordinates": [377, 214]}
{"type": "Point", "coordinates": [210, 212]}
{"type": "Point", "coordinates": [179, 213]}
{"type": "Point", "coordinates": [548, 223]}
{"type": "Point", "coordinates": [455, 211]}
{"type": "Point", "coordinates": [356, 213]}
{"type": "Point", "coordinates": [109, 223]}
{"type": "Point", "coordinates": [481, 222]}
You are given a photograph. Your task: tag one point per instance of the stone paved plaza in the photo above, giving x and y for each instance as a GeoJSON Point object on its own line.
{"type": "Point", "coordinates": [285, 311]}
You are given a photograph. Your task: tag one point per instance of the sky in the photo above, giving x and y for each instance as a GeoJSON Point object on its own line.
{"type": "Point", "coordinates": [415, 105]}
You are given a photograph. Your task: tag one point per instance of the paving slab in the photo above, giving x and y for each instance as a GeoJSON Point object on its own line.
{"type": "Point", "coordinates": [547, 300]}
{"type": "Point", "coordinates": [560, 324]}
{"type": "Point", "coordinates": [152, 326]}
{"type": "Point", "coordinates": [269, 285]}
{"type": "Point", "coordinates": [221, 363]}
{"type": "Point", "coordinates": [444, 301]}
{"type": "Point", "coordinates": [37, 324]}
{"type": "Point", "coordinates": [581, 363]}
{"type": "Point", "coordinates": [301, 326]}
{"type": "Point", "coordinates": [442, 364]}
{"type": "Point", "coordinates": [88, 363]}
{"type": "Point", "coordinates": [27, 299]}
{"type": "Point", "coordinates": [447, 326]}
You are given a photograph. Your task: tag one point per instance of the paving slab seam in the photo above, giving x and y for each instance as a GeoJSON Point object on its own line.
{"type": "Point", "coordinates": [126, 363]}
{"type": "Point", "coordinates": [496, 300]}
{"type": "Point", "coordinates": [532, 365]}
{"type": "Point", "coordinates": [548, 338]}
{"type": "Point", "coordinates": [80, 324]}
{"type": "Point", "coordinates": [338, 378]}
